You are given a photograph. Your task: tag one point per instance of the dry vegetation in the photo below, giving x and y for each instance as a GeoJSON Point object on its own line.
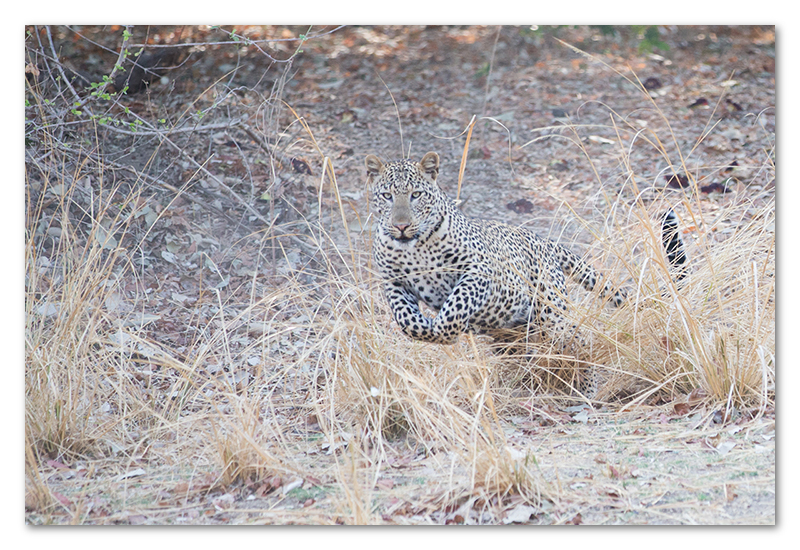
{"type": "Point", "coordinates": [263, 381]}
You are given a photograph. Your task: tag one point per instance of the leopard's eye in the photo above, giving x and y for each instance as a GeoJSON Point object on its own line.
{"type": "Point", "coordinates": [416, 194]}
{"type": "Point", "coordinates": [387, 196]}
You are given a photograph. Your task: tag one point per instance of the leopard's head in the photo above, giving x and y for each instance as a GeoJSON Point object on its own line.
{"type": "Point", "coordinates": [406, 195]}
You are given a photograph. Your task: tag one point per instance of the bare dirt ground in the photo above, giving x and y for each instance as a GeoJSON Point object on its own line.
{"type": "Point", "coordinates": [233, 149]}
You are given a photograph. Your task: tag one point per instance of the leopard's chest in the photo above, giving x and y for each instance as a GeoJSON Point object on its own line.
{"type": "Point", "coordinates": [430, 269]}
{"type": "Point", "coordinates": [433, 267]}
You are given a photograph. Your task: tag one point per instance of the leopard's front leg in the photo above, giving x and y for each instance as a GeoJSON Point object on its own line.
{"type": "Point", "coordinates": [466, 298]}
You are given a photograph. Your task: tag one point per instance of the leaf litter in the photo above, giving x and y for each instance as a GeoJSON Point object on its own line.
{"type": "Point", "coordinates": [209, 284]}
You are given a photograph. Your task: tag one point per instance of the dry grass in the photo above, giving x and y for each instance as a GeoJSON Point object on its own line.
{"type": "Point", "coordinates": [70, 281]}
{"type": "Point", "coordinates": [308, 391]}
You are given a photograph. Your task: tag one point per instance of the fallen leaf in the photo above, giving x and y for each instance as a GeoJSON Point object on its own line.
{"type": "Point", "coordinates": [716, 187]}
{"type": "Point", "coordinates": [702, 102]}
{"type": "Point", "coordinates": [137, 519]}
{"type": "Point", "coordinates": [728, 169]}
{"type": "Point", "coordinates": [521, 206]}
{"type": "Point", "coordinates": [577, 519]}
{"type": "Point", "coordinates": [301, 166]}
{"type": "Point", "coordinates": [223, 502]}
{"type": "Point", "coordinates": [682, 409]}
{"type": "Point", "coordinates": [132, 473]}
{"type": "Point", "coordinates": [263, 489]}
{"type": "Point", "coordinates": [652, 83]}
{"type": "Point", "coordinates": [62, 499]}
{"type": "Point", "coordinates": [519, 514]}
{"type": "Point", "coordinates": [725, 447]}
{"type": "Point", "coordinates": [47, 310]}
{"type": "Point", "coordinates": [400, 462]}
{"type": "Point", "coordinates": [602, 140]}
{"type": "Point", "coordinates": [179, 297]}
{"type": "Point", "coordinates": [385, 483]}
{"type": "Point", "coordinates": [601, 458]}
{"type": "Point", "coordinates": [733, 106]}
{"type": "Point", "coordinates": [169, 256]}
{"type": "Point", "coordinates": [313, 481]}
{"type": "Point", "coordinates": [294, 484]}
{"type": "Point", "coordinates": [696, 395]}
{"type": "Point", "coordinates": [275, 482]}
{"type": "Point", "coordinates": [677, 181]}
{"type": "Point", "coordinates": [582, 416]}
{"type": "Point", "coordinates": [723, 416]}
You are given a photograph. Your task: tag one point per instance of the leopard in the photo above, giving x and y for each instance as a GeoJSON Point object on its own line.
{"type": "Point", "coordinates": [478, 276]}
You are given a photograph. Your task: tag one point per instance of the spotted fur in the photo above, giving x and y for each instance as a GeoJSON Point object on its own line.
{"type": "Point", "coordinates": [480, 276]}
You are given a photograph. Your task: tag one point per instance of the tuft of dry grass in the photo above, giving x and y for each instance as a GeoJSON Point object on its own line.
{"type": "Point", "coordinates": [71, 281]}
{"type": "Point", "coordinates": [715, 329]}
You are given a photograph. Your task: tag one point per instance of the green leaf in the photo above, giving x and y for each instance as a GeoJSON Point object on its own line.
{"type": "Point", "coordinates": [651, 40]}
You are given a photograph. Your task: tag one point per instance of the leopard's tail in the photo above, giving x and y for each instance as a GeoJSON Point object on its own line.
{"type": "Point", "coordinates": [588, 277]}
{"type": "Point", "coordinates": [673, 246]}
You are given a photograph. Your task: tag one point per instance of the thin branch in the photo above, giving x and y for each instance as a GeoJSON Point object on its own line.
{"type": "Point", "coordinates": [283, 158]}
{"type": "Point", "coordinates": [123, 52]}
{"type": "Point", "coordinates": [161, 183]}
{"type": "Point", "coordinates": [219, 182]}
{"type": "Point", "coordinates": [181, 129]}
{"type": "Point", "coordinates": [163, 136]}
{"type": "Point", "coordinates": [58, 64]}
{"type": "Point", "coordinates": [245, 40]}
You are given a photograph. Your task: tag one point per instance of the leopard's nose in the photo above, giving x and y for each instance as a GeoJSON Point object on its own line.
{"type": "Point", "coordinates": [401, 227]}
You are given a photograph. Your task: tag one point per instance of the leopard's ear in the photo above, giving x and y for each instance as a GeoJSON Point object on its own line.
{"type": "Point", "coordinates": [374, 165]}
{"type": "Point", "coordinates": [430, 165]}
